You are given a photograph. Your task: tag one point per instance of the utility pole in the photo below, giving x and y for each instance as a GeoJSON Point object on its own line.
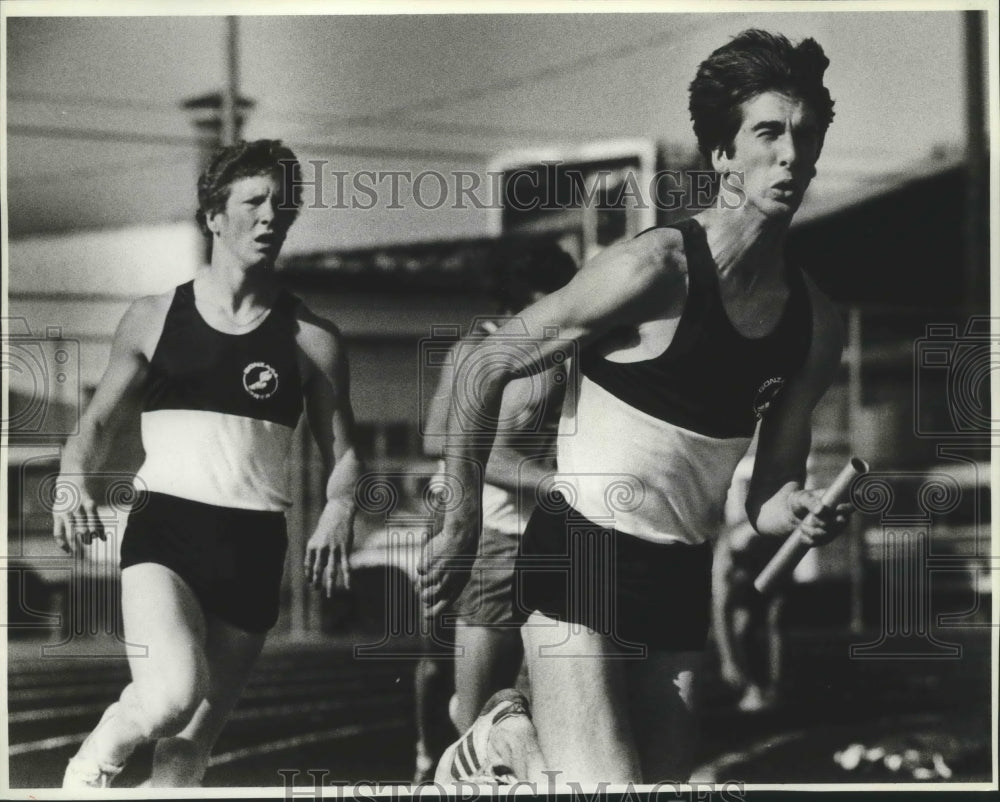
{"type": "Point", "coordinates": [977, 168]}
{"type": "Point", "coordinates": [231, 122]}
{"type": "Point", "coordinates": [218, 116]}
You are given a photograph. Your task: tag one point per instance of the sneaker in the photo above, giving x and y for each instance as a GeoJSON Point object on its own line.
{"type": "Point", "coordinates": [82, 772]}
{"type": "Point", "coordinates": [478, 756]}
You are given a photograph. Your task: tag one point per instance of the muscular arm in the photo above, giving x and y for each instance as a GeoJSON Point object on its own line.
{"type": "Point", "coordinates": [776, 501]}
{"type": "Point", "coordinates": [331, 421]}
{"type": "Point", "coordinates": [625, 285]}
{"type": "Point", "coordinates": [119, 388]}
{"type": "Point", "coordinates": [520, 458]}
{"type": "Point", "coordinates": [517, 458]}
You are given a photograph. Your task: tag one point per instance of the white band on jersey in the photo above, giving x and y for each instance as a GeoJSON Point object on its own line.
{"type": "Point", "coordinates": [624, 468]}
{"type": "Point", "coordinates": [215, 458]}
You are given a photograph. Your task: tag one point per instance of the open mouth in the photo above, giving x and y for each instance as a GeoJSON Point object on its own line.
{"type": "Point", "coordinates": [785, 192]}
{"type": "Point", "coordinates": [268, 240]}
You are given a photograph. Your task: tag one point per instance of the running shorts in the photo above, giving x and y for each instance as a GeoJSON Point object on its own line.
{"type": "Point", "coordinates": [486, 599]}
{"type": "Point", "coordinates": [231, 559]}
{"type": "Point", "coordinates": [634, 591]}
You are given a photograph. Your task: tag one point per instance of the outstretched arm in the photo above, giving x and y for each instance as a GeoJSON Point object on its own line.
{"type": "Point", "coordinates": [521, 457]}
{"type": "Point", "coordinates": [331, 421]}
{"type": "Point", "coordinates": [624, 285]}
{"type": "Point", "coordinates": [517, 460]}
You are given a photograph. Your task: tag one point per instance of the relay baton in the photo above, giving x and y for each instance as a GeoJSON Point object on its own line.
{"type": "Point", "coordinates": [795, 548]}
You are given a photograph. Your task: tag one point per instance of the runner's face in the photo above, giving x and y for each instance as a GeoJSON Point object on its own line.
{"type": "Point", "coordinates": [252, 227]}
{"type": "Point", "coordinates": [773, 156]}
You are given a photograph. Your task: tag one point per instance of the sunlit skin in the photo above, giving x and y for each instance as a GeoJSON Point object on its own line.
{"type": "Point", "coordinates": [599, 719]}
{"type": "Point", "coordinates": [767, 168]}
{"type": "Point", "coordinates": [249, 232]}
{"type": "Point", "coordinates": [772, 158]}
{"type": "Point", "coordinates": [247, 236]}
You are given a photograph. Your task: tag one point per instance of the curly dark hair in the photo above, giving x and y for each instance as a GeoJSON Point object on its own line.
{"type": "Point", "coordinates": [242, 160]}
{"type": "Point", "coordinates": [755, 61]}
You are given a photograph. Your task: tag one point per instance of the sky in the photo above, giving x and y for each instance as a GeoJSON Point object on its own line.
{"type": "Point", "coordinates": [96, 137]}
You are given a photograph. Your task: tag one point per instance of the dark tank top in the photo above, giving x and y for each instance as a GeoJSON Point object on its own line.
{"type": "Point", "coordinates": [711, 379]}
{"type": "Point", "coordinates": [252, 375]}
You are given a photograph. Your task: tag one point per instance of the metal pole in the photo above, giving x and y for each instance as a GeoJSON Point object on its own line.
{"type": "Point", "coordinates": [230, 111]}
{"type": "Point", "coordinates": [976, 161]}
{"type": "Point", "coordinates": [854, 411]}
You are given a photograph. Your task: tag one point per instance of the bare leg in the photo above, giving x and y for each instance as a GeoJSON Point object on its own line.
{"type": "Point", "coordinates": [487, 660]}
{"type": "Point", "coordinates": [775, 646]}
{"type": "Point", "coordinates": [580, 703]}
{"type": "Point", "coordinates": [662, 706]}
{"type": "Point", "coordinates": [740, 620]}
{"type": "Point", "coordinates": [433, 686]}
{"type": "Point", "coordinates": [181, 761]}
{"type": "Point", "coordinates": [161, 613]}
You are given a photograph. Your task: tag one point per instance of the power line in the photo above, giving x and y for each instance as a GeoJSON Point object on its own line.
{"type": "Point", "coordinates": [438, 102]}
{"type": "Point", "coordinates": [128, 104]}
{"type": "Point", "coordinates": [92, 170]}
{"type": "Point", "coordinates": [99, 135]}
{"type": "Point", "coordinates": [168, 140]}
{"type": "Point", "coordinates": [434, 127]}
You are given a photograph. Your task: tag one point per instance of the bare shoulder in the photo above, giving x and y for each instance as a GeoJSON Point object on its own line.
{"type": "Point", "coordinates": [142, 323]}
{"type": "Point", "coordinates": [318, 337]}
{"type": "Point", "coordinates": [656, 255]}
{"type": "Point", "coordinates": [632, 281]}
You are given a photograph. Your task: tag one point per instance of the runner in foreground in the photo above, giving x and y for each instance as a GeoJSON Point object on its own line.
{"type": "Point", "coordinates": [688, 337]}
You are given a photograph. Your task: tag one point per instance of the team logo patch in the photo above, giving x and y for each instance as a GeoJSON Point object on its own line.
{"type": "Point", "coordinates": [766, 394]}
{"type": "Point", "coordinates": [260, 380]}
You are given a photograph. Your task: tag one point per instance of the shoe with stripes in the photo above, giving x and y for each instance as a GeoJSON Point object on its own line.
{"type": "Point", "coordinates": [483, 753]}
{"type": "Point", "coordinates": [82, 772]}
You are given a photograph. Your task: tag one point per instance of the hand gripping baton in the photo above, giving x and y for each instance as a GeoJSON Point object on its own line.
{"type": "Point", "coordinates": [795, 548]}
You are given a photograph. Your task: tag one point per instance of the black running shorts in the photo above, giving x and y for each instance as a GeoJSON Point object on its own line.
{"type": "Point", "coordinates": [231, 559]}
{"type": "Point", "coordinates": [634, 591]}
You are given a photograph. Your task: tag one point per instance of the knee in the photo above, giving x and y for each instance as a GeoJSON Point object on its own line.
{"type": "Point", "coordinates": [166, 708]}
{"type": "Point", "coordinates": [173, 710]}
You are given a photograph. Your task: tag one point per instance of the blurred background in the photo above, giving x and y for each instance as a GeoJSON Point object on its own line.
{"type": "Point", "coordinates": [108, 123]}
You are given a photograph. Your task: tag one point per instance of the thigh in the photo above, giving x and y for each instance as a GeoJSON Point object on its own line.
{"type": "Point", "coordinates": [662, 700]}
{"type": "Point", "coordinates": [161, 614]}
{"type": "Point", "coordinates": [579, 702]}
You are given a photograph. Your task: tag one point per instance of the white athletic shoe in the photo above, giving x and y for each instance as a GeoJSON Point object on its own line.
{"type": "Point", "coordinates": [82, 772]}
{"type": "Point", "coordinates": [486, 752]}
